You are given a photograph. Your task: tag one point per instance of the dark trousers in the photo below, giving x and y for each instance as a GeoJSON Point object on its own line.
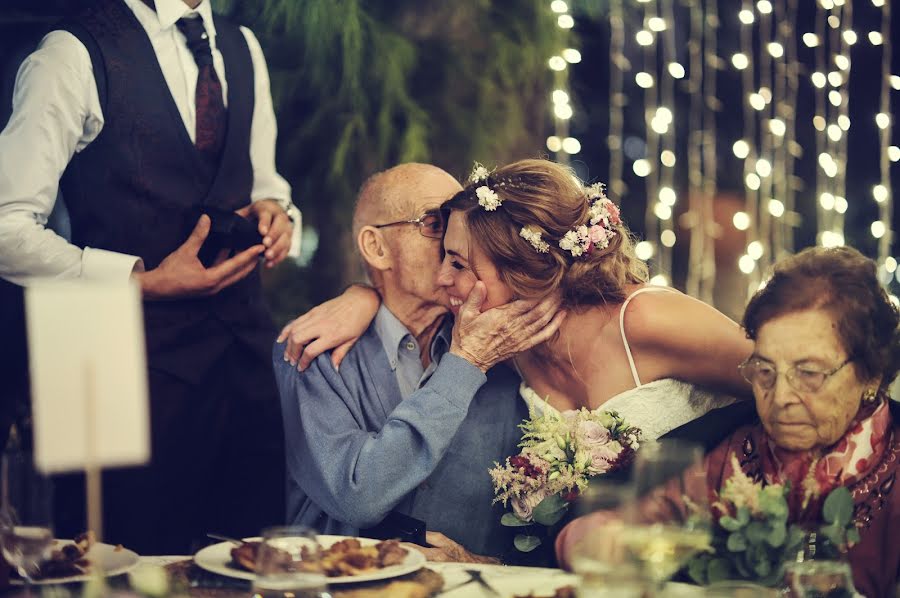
{"type": "Point", "coordinates": [217, 463]}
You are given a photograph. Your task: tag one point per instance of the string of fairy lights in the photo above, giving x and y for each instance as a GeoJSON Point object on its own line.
{"type": "Point", "coordinates": [773, 79]}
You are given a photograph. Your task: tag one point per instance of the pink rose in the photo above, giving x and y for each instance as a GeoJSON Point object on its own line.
{"type": "Point", "coordinates": [523, 506]}
{"type": "Point", "coordinates": [602, 458]}
{"type": "Point", "coordinates": [597, 234]}
{"type": "Point", "coordinates": [592, 433]}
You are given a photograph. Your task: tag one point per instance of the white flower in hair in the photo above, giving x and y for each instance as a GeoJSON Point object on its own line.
{"type": "Point", "coordinates": [534, 237]}
{"type": "Point", "coordinates": [479, 173]}
{"type": "Point", "coordinates": [596, 191]}
{"type": "Point", "coordinates": [576, 241]}
{"type": "Point", "coordinates": [487, 198]}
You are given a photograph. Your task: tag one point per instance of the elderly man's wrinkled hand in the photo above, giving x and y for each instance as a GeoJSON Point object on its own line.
{"type": "Point", "coordinates": [486, 338]}
{"type": "Point", "coordinates": [445, 550]}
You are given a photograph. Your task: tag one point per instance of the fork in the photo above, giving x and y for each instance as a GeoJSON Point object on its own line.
{"type": "Point", "coordinates": [477, 577]}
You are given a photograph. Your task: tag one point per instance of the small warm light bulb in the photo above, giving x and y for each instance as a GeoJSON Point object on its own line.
{"type": "Point", "coordinates": [878, 229]}
{"type": "Point", "coordinates": [746, 17]}
{"type": "Point", "coordinates": [842, 62]}
{"type": "Point", "coordinates": [741, 220]}
{"type": "Point", "coordinates": [643, 37]}
{"type": "Point", "coordinates": [565, 21]}
{"type": "Point", "coordinates": [659, 280]}
{"type": "Point", "coordinates": [659, 126]}
{"type": "Point", "coordinates": [755, 250]}
{"type": "Point", "coordinates": [834, 132]}
{"type": "Point", "coordinates": [741, 149]}
{"type": "Point", "coordinates": [764, 7]}
{"type": "Point", "coordinates": [740, 61]}
{"type": "Point", "coordinates": [819, 122]}
{"type": "Point", "coordinates": [571, 145]}
{"type": "Point", "coordinates": [763, 167]}
{"type": "Point", "coordinates": [811, 40]}
{"type": "Point", "coordinates": [560, 96]}
{"type": "Point", "coordinates": [878, 3]}
{"type": "Point", "coordinates": [840, 205]}
{"type": "Point", "coordinates": [880, 193]}
{"type": "Point", "coordinates": [882, 120]}
{"type": "Point", "coordinates": [835, 97]}
{"type": "Point", "coordinates": [656, 24]}
{"type": "Point", "coordinates": [747, 264]}
{"type": "Point", "coordinates": [571, 55]}
{"type": "Point", "coordinates": [644, 250]}
{"type": "Point", "coordinates": [554, 143]}
{"type": "Point", "coordinates": [766, 94]}
{"type": "Point", "coordinates": [557, 63]}
{"type": "Point", "coordinates": [662, 211]}
{"type": "Point", "coordinates": [752, 181]}
{"type": "Point", "coordinates": [562, 111]}
{"type": "Point", "coordinates": [777, 127]}
{"type": "Point", "coordinates": [893, 153]}
{"type": "Point", "coordinates": [895, 82]}
{"type": "Point", "coordinates": [850, 37]}
{"type": "Point", "coordinates": [667, 157]}
{"type": "Point", "coordinates": [644, 80]}
{"type": "Point", "coordinates": [676, 70]}
{"type": "Point", "coordinates": [832, 238]}
{"type": "Point", "coordinates": [559, 6]}
{"type": "Point", "coordinates": [890, 263]}
{"type": "Point", "coordinates": [875, 38]}
{"type": "Point", "coordinates": [664, 114]}
{"type": "Point", "coordinates": [818, 79]}
{"type": "Point", "coordinates": [641, 167]}
{"type": "Point", "coordinates": [827, 4]}
{"type": "Point", "coordinates": [667, 238]}
{"type": "Point", "coordinates": [776, 208]}
{"type": "Point", "coordinates": [835, 79]}
{"type": "Point", "coordinates": [667, 196]}
{"type": "Point", "coordinates": [844, 122]}
{"type": "Point", "coordinates": [775, 49]}
{"type": "Point", "coordinates": [834, 22]}
{"type": "Point", "coordinates": [826, 200]}
{"type": "Point", "coordinates": [757, 101]}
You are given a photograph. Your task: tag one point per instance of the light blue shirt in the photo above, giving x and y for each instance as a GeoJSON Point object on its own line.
{"type": "Point", "coordinates": [403, 351]}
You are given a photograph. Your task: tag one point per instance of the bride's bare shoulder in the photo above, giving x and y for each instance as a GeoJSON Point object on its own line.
{"type": "Point", "coordinates": [661, 317]}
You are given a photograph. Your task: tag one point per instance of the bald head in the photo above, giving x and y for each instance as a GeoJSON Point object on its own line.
{"type": "Point", "coordinates": [400, 193]}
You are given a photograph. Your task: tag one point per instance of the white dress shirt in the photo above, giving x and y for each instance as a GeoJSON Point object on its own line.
{"type": "Point", "coordinates": [56, 112]}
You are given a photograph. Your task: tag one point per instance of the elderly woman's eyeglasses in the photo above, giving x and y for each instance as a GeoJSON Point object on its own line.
{"type": "Point", "coordinates": [763, 374]}
{"type": "Point", "coordinates": [431, 224]}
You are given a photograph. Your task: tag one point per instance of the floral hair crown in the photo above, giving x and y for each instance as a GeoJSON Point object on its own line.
{"type": "Point", "coordinates": [604, 215]}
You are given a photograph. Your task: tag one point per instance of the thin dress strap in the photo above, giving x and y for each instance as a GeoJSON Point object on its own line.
{"type": "Point", "coordinates": [651, 289]}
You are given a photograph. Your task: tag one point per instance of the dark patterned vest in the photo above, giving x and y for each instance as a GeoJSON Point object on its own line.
{"type": "Point", "coordinates": [132, 188]}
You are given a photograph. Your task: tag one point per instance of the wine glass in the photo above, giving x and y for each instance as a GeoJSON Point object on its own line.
{"type": "Point", "coordinates": [599, 557]}
{"type": "Point", "coordinates": [287, 564]}
{"type": "Point", "coordinates": [26, 531]}
{"type": "Point", "coordinates": [670, 521]}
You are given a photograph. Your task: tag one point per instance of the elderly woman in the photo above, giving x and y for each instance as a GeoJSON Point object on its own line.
{"type": "Point", "coordinates": [826, 350]}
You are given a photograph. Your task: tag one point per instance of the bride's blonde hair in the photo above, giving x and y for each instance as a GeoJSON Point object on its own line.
{"type": "Point", "coordinates": [549, 199]}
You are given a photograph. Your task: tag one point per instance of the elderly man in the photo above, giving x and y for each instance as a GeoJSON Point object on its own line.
{"type": "Point", "coordinates": [411, 422]}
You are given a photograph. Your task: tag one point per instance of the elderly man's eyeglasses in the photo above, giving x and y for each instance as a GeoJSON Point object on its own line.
{"type": "Point", "coordinates": [763, 374]}
{"type": "Point", "coordinates": [431, 224]}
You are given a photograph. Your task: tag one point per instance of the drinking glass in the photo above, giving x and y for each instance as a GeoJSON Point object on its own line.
{"type": "Point", "coordinates": [287, 565]}
{"type": "Point", "coordinates": [818, 571]}
{"type": "Point", "coordinates": [670, 521]}
{"type": "Point", "coordinates": [26, 531]}
{"type": "Point", "coordinates": [599, 558]}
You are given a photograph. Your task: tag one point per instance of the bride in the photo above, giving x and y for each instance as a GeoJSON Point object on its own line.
{"type": "Point", "coordinates": [532, 229]}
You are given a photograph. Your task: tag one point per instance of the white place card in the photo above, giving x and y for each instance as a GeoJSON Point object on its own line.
{"type": "Point", "coordinates": [88, 375]}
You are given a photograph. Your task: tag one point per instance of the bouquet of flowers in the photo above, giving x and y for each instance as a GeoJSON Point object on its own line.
{"type": "Point", "coordinates": [752, 538]}
{"type": "Point", "coordinates": [560, 453]}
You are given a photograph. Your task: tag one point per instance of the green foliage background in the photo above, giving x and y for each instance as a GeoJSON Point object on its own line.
{"type": "Point", "coordinates": [362, 86]}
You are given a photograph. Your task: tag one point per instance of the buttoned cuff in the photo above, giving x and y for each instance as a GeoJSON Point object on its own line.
{"type": "Point", "coordinates": [457, 380]}
{"type": "Point", "coordinates": [100, 264]}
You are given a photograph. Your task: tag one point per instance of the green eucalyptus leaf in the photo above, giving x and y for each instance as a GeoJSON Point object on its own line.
{"type": "Point", "coordinates": [777, 536]}
{"type": "Point", "coordinates": [512, 520]}
{"type": "Point", "coordinates": [740, 564]}
{"type": "Point", "coordinates": [729, 523]}
{"type": "Point", "coordinates": [697, 569]}
{"type": "Point", "coordinates": [838, 507]}
{"type": "Point", "coordinates": [756, 532]}
{"type": "Point", "coordinates": [550, 510]}
{"type": "Point", "coordinates": [736, 542]}
{"type": "Point", "coordinates": [743, 516]}
{"type": "Point", "coordinates": [525, 543]}
{"type": "Point", "coordinates": [853, 535]}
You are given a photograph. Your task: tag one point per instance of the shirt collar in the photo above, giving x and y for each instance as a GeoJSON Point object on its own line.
{"type": "Point", "coordinates": [169, 11]}
{"type": "Point", "coordinates": [393, 333]}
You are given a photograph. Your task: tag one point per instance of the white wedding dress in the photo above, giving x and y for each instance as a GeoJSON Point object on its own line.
{"type": "Point", "coordinates": [656, 407]}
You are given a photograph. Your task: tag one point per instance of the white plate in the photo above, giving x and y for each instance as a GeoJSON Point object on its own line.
{"type": "Point", "coordinates": [110, 559]}
{"type": "Point", "coordinates": [217, 559]}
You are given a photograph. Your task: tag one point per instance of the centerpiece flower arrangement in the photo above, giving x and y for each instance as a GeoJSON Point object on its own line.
{"type": "Point", "coordinates": [753, 537]}
{"type": "Point", "coordinates": [560, 453]}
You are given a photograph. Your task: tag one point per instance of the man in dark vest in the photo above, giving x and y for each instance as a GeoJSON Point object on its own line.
{"type": "Point", "coordinates": [127, 110]}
